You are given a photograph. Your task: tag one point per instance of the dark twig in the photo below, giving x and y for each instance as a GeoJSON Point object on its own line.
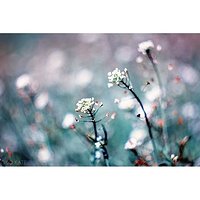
{"type": "Point", "coordinates": [146, 119]}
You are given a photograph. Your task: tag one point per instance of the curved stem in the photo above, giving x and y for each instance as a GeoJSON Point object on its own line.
{"type": "Point", "coordinates": [146, 119]}
{"type": "Point", "coordinates": [163, 116]}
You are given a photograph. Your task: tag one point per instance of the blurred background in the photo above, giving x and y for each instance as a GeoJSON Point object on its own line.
{"type": "Point", "coordinates": [42, 76]}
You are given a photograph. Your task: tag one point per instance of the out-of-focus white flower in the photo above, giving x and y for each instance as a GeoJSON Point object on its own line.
{"type": "Point", "coordinates": [190, 110]}
{"type": "Point", "coordinates": [23, 81]}
{"type": "Point", "coordinates": [42, 100]}
{"type": "Point", "coordinates": [97, 144]}
{"type": "Point", "coordinates": [159, 47]}
{"type": "Point", "coordinates": [174, 158]}
{"type": "Point", "coordinates": [189, 75]}
{"type": "Point", "coordinates": [99, 138]}
{"type": "Point", "coordinates": [110, 85]}
{"type": "Point", "coordinates": [153, 94]}
{"type": "Point", "coordinates": [2, 150]}
{"type": "Point", "coordinates": [83, 77]}
{"type": "Point", "coordinates": [131, 144]}
{"type": "Point", "coordinates": [44, 155]}
{"type": "Point", "coordinates": [55, 60]}
{"type": "Point", "coordinates": [84, 105]}
{"type": "Point", "coordinates": [116, 101]}
{"type": "Point", "coordinates": [124, 54]}
{"type": "Point", "coordinates": [97, 154]}
{"type": "Point", "coordinates": [139, 59]}
{"type": "Point", "coordinates": [170, 67]}
{"type": "Point", "coordinates": [115, 77]}
{"type": "Point", "coordinates": [127, 103]}
{"type": "Point", "coordinates": [113, 115]}
{"type": "Point", "coordinates": [139, 135]}
{"type": "Point", "coordinates": [144, 46]}
{"type": "Point", "coordinates": [68, 120]}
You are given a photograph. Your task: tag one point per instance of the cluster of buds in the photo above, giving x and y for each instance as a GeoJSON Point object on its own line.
{"type": "Point", "coordinates": [85, 105]}
{"type": "Point", "coordinates": [146, 46]}
{"type": "Point", "coordinates": [119, 78]}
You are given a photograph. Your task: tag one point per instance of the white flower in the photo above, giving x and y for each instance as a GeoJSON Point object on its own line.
{"type": "Point", "coordinates": [23, 81]}
{"type": "Point", "coordinates": [83, 77]}
{"type": "Point", "coordinates": [44, 155]}
{"type": "Point", "coordinates": [97, 154]}
{"type": "Point", "coordinates": [116, 101]}
{"type": "Point", "coordinates": [115, 77]}
{"type": "Point", "coordinates": [127, 103]}
{"type": "Point", "coordinates": [139, 135]}
{"type": "Point", "coordinates": [159, 48]}
{"type": "Point", "coordinates": [144, 46]}
{"type": "Point", "coordinates": [139, 59]}
{"type": "Point", "coordinates": [84, 105]}
{"type": "Point", "coordinates": [131, 144]}
{"type": "Point", "coordinates": [42, 100]}
{"type": "Point", "coordinates": [110, 85]}
{"type": "Point", "coordinates": [174, 158]}
{"type": "Point", "coordinates": [153, 94]}
{"type": "Point", "coordinates": [97, 144]}
{"type": "Point", "coordinates": [68, 120]}
{"type": "Point", "coordinates": [99, 138]}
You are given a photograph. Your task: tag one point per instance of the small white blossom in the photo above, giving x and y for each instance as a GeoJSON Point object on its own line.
{"type": "Point", "coordinates": [110, 85]}
{"type": "Point", "coordinates": [42, 100]}
{"type": "Point", "coordinates": [153, 94]}
{"type": "Point", "coordinates": [172, 156]}
{"type": "Point", "coordinates": [2, 150]}
{"type": "Point", "coordinates": [115, 77]}
{"type": "Point", "coordinates": [144, 46]}
{"type": "Point", "coordinates": [68, 120]}
{"type": "Point", "coordinates": [159, 48]}
{"type": "Point", "coordinates": [99, 138]}
{"type": "Point", "coordinates": [84, 105]}
{"type": "Point", "coordinates": [97, 144]}
{"type": "Point", "coordinates": [116, 101]}
{"type": "Point", "coordinates": [23, 81]}
{"type": "Point", "coordinates": [44, 155]}
{"type": "Point", "coordinates": [113, 116]}
{"type": "Point", "coordinates": [97, 154]}
{"type": "Point", "coordinates": [127, 103]}
{"type": "Point", "coordinates": [139, 135]}
{"type": "Point", "coordinates": [139, 59]}
{"type": "Point", "coordinates": [131, 144]}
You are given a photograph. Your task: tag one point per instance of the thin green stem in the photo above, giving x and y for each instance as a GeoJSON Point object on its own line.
{"type": "Point", "coordinates": [161, 100]}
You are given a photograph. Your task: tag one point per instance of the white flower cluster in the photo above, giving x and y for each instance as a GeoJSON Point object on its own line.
{"type": "Point", "coordinates": [116, 76]}
{"type": "Point", "coordinates": [84, 105]}
{"type": "Point", "coordinates": [144, 46]}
